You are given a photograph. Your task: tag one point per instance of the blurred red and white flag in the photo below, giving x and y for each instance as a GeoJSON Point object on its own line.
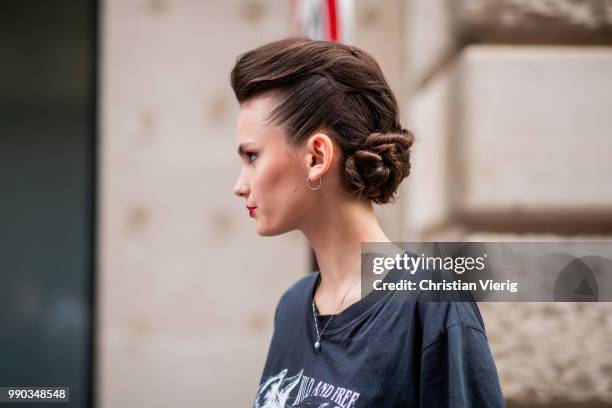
{"type": "Point", "coordinates": [324, 19]}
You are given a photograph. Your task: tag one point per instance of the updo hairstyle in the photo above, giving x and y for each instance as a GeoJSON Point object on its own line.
{"type": "Point", "coordinates": [326, 85]}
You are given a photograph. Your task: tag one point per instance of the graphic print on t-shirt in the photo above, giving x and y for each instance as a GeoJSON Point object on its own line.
{"type": "Point", "coordinates": [280, 391]}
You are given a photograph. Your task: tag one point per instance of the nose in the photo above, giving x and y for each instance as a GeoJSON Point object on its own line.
{"type": "Point", "coordinates": [241, 188]}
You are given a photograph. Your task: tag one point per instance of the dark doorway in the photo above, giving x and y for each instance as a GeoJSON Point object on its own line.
{"type": "Point", "coordinates": [47, 197]}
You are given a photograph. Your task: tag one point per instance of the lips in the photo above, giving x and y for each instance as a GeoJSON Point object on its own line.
{"type": "Point", "coordinates": [251, 210]}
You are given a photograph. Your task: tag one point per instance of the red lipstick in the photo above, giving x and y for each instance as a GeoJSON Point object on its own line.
{"type": "Point", "coordinates": [251, 210]}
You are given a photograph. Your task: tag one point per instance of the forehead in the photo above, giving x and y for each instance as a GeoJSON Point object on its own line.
{"type": "Point", "coordinates": [252, 124]}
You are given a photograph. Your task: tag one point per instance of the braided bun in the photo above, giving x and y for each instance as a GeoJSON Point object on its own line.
{"type": "Point", "coordinates": [377, 168]}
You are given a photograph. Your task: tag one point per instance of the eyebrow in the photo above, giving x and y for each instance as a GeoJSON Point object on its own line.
{"type": "Point", "coordinates": [242, 147]}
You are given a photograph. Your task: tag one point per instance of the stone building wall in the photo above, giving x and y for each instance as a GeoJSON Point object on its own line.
{"type": "Point", "coordinates": [187, 289]}
{"type": "Point", "coordinates": [509, 102]}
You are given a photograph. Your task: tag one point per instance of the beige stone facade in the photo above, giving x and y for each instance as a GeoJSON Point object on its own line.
{"type": "Point", "coordinates": [510, 99]}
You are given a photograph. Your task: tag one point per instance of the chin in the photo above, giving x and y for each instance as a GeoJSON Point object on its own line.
{"type": "Point", "coordinates": [270, 231]}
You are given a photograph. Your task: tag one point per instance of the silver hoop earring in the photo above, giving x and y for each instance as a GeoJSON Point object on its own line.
{"type": "Point", "coordinates": [310, 187]}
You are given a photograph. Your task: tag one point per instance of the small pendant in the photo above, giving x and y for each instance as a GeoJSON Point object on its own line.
{"type": "Point", "coordinates": [317, 346]}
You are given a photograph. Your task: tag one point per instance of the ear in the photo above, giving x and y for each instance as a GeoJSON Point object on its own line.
{"type": "Point", "coordinates": [320, 152]}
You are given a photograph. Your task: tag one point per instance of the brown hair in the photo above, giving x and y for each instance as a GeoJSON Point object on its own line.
{"type": "Point", "coordinates": [319, 85]}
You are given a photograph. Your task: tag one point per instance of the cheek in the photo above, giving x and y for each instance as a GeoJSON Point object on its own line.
{"type": "Point", "coordinates": [267, 179]}
{"type": "Point", "coordinates": [277, 182]}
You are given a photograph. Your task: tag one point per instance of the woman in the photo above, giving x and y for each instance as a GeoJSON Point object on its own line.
{"type": "Point", "coordinates": [320, 140]}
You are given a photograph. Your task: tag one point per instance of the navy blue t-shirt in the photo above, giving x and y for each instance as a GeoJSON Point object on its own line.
{"type": "Point", "coordinates": [378, 353]}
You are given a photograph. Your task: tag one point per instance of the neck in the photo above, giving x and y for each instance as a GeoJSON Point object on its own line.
{"type": "Point", "coordinates": [335, 234]}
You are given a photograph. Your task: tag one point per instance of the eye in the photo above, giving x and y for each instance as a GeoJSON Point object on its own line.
{"type": "Point", "coordinates": [251, 156]}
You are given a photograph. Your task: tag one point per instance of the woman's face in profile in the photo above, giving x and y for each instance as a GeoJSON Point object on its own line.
{"type": "Point", "coordinates": [273, 175]}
